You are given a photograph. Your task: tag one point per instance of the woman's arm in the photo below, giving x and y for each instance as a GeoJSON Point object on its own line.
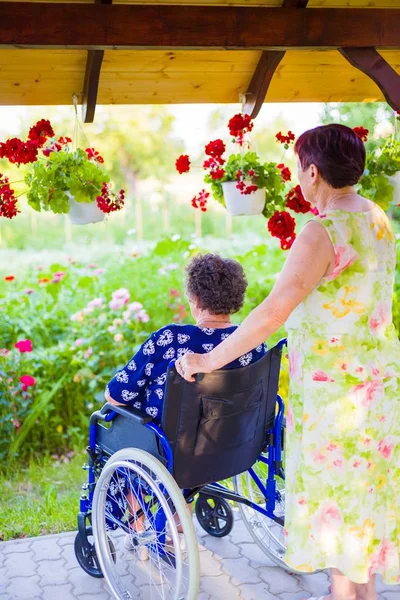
{"type": "Point", "coordinates": [309, 260]}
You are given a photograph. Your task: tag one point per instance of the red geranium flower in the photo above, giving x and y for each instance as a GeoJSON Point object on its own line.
{"type": "Point", "coordinates": [40, 132]}
{"type": "Point", "coordinates": [281, 225]}
{"type": "Point", "coordinates": [93, 154]}
{"type": "Point", "coordinates": [286, 140]}
{"type": "Point", "coordinates": [239, 125]}
{"type": "Point", "coordinates": [27, 381]}
{"type": "Point", "coordinates": [9, 278]}
{"type": "Point", "coordinates": [215, 148]}
{"type": "Point", "coordinates": [285, 172]}
{"type": "Point", "coordinates": [108, 201]}
{"type": "Point", "coordinates": [288, 243]}
{"type": "Point", "coordinates": [296, 201]}
{"type": "Point", "coordinates": [217, 174]}
{"type": "Point", "coordinates": [200, 201]}
{"type": "Point", "coordinates": [8, 200]}
{"type": "Point", "coordinates": [24, 346]}
{"type": "Point", "coordinates": [362, 133]}
{"type": "Point", "coordinates": [182, 164]}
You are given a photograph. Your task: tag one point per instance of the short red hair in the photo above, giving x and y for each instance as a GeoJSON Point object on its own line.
{"type": "Point", "coordinates": [336, 151]}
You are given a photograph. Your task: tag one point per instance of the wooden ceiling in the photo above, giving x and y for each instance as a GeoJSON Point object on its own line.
{"type": "Point", "coordinates": [45, 72]}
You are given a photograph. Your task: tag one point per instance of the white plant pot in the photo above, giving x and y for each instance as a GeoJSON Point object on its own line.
{"type": "Point", "coordinates": [243, 204]}
{"type": "Point", "coordinates": [394, 180]}
{"type": "Point", "coordinates": [82, 213]}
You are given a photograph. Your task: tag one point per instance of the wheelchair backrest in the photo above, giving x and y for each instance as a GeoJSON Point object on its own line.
{"type": "Point", "coordinates": [217, 426]}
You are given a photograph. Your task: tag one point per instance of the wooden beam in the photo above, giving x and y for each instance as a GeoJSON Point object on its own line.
{"type": "Point", "coordinates": [92, 76]}
{"type": "Point", "coordinates": [370, 62]}
{"type": "Point", "coordinates": [267, 65]}
{"type": "Point", "coordinates": [101, 27]}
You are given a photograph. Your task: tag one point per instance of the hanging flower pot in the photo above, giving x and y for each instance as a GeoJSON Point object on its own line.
{"type": "Point", "coordinates": [82, 213]}
{"type": "Point", "coordinates": [238, 203]}
{"type": "Point", "coordinates": [394, 180]}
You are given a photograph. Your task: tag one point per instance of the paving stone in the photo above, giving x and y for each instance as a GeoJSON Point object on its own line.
{"type": "Point", "coordinates": [240, 571]}
{"type": "Point", "coordinates": [57, 592]}
{"type": "Point", "coordinates": [16, 546]}
{"type": "Point", "coordinates": [222, 547]}
{"type": "Point", "coordinates": [239, 533]}
{"type": "Point", "coordinates": [83, 583]}
{"type": "Point", "coordinates": [278, 580]}
{"type": "Point", "coordinates": [394, 595]}
{"type": "Point", "coordinates": [20, 565]}
{"type": "Point", "coordinates": [292, 596]}
{"type": "Point", "coordinates": [52, 572]}
{"type": "Point", "coordinates": [219, 588]}
{"type": "Point", "coordinates": [210, 565]}
{"type": "Point", "coordinates": [256, 556]}
{"type": "Point", "coordinates": [68, 554]}
{"type": "Point", "coordinates": [257, 591]}
{"type": "Point", "coordinates": [315, 583]}
{"type": "Point", "coordinates": [24, 588]}
{"type": "Point", "coordinates": [66, 539]}
{"type": "Point", "coordinates": [46, 549]}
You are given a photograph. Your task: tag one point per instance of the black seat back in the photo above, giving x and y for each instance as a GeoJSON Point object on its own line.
{"type": "Point", "coordinates": [217, 426]}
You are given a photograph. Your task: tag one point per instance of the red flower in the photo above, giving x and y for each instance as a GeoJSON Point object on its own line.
{"type": "Point", "coordinates": [40, 132]}
{"type": "Point", "coordinates": [239, 125]}
{"type": "Point", "coordinates": [108, 201]}
{"type": "Point", "coordinates": [182, 164]}
{"type": "Point", "coordinates": [13, 149]}
{"type": "Point", "coordinates": [281, 225]}
{"type": "Point", "coordinates": [9, 278]}
{"type": "Point", "coordinates": [8, 200]}
{"type": "Point", "coordinates": [64, 140]}
{"type": "Point", "coordinates": [200, 201]}
{"type": "Point", "coordinates": [27, 381]}
{"type": "Point", "coordinates": [288, 243]}
{"type": "Point", "coordinates": [93, 154]}
{"type": "Point", "coordinates": [296, 201]}
{"type": "Point", "coordinates": [285, 139]}
{"type": "Point", "coordinates": [215, 148]}
{"type": "Point", "coordinates": [362, 133]}
{"type": "Point", "coordinates": [217, 174]}
{"type": "Point", "coordinates": [285, 172]}
{"type": "Point", "coordinates": [24, 346]}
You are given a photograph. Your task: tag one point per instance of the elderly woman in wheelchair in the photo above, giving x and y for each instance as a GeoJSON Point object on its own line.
{"type": "Point", "coordinates": [159, 442]}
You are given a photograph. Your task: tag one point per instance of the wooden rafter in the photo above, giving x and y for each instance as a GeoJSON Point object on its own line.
{"type": "Point", "coordinates": [266, 67]}
{"type": "Point", "coordinates": [370, 62]}
{"type": "Point", "coordinates": [100, 27]}
{"type": "Point", "coordinates": [92, 77]}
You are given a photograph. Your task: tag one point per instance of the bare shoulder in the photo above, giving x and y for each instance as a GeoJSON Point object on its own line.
{"type": "Point", "coordinates": [314, 235]}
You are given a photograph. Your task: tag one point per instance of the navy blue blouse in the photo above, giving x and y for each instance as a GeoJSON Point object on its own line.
{"type": "Point", "coordinates": [141, 383]}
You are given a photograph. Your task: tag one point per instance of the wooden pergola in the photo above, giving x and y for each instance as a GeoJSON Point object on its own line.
{"type": "Point", "coordinates": [188, 51]}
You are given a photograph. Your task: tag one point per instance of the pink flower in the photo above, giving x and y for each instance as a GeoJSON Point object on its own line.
{"type": "Point", "coordinates": [369, 392]}
{"type": "Point", "coordinates": [4, 352]}
{"type": "Point", "coordinates": [314, 211]}
{"type": "Point", "coordinates": [116, 304]}
{"type": "Point", "coordinates": [24, 346]}
{"type": "Point", "coordinates": [386, 447]}
{"type": "Point", "coordinates": [92, 266]}
{"type": "Point", "coordinates": [29, 291]}
{"type": "Point", "coordinates": [27, 381]}
{"type": "Point", "coordinates": [118, 337]}
{"type": "Point", "coordinates": [330, 515]}
{"type": "Point", "coordinates": [99, 271]}
{"type": "Point", "coordinates": [142, 316]}
{"type": "Point", "coordinates": [119, 298]}
{"type": "Point", "coordinates": [135, 306]}
{"type": "Point", "coordinates": [294, 364]}
{"type": "Point", "coordinates": [321, 376]}
{"type": "Point", "coordinates": [380, 319]}
{"type": "Point", "coordinates": [79, 342]}
{"type": "Point", "coordinates": [88, 352]}
{"type": "Point", "coordinates": [95, 303]}
{"type": "Point", "coordinates": [345, 256]}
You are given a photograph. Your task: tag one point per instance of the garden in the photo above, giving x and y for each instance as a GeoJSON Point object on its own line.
{"type": "Point", "coordinates": [76, 304]}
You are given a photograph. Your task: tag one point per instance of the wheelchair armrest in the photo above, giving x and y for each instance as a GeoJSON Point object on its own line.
{"type": "Point", "coordinates": [139, 416]}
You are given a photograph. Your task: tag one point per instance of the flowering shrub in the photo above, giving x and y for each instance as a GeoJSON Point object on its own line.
{"type": "Point", "coordinates": [57, 174]}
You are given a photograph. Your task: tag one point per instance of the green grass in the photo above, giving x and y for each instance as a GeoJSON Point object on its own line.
{"type": "Point", "coordinates": [42, 497]}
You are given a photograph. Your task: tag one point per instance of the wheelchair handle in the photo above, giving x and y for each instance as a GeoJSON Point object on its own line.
{"type": "Point", "coordinates": [197, 376]}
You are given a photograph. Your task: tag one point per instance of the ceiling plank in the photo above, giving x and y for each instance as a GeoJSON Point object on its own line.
{"type": "Point", "coordinates": [267, 65]}
{"type": "Point", "coordinates": [100, 27]}
{"type": "Point", "coordinates": [370, 62]}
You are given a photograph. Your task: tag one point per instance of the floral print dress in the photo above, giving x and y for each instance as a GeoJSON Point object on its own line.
{"type": "Point", "coordinates": [343, 415]}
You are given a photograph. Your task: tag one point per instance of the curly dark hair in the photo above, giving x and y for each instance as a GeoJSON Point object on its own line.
{"type": "Point", "coordinates": [217, 284]}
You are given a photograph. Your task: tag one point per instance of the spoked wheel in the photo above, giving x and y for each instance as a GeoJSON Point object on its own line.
{"type": "Point", "coordinates": [86, 554]}
{"type": "Point", "coordinates": [214, 515]}
{"type": "Point", "coordinates": [153, 558]}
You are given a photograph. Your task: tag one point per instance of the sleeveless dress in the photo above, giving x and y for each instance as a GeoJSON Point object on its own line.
{"type": "Point", "coordinates": [343, 415]}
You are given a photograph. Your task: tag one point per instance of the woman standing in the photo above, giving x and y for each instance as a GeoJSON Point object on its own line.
{"type": "Point", "coordinates": [343, 415]}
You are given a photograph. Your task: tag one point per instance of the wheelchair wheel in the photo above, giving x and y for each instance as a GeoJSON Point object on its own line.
{"type": "Point", "coordinates": [214, 515]}
{"type": "Point", "coordinates": [86, 554]}
{"type": "Point", "coordinates": [153, 559]}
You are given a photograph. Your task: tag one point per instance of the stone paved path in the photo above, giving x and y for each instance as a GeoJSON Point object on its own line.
{"type": "Point", "coordinates": [232, 568]}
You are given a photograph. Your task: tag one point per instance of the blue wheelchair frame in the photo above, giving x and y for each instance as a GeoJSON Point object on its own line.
{"type": "Point", "coordinates": [273, 459]}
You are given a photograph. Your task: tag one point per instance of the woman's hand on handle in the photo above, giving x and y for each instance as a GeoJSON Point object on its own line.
{"type": "Point", "coordinates": [191, 364]}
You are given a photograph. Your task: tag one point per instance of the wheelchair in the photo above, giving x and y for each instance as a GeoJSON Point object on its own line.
{"type": "Point", "coordinates": [134, 526]}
